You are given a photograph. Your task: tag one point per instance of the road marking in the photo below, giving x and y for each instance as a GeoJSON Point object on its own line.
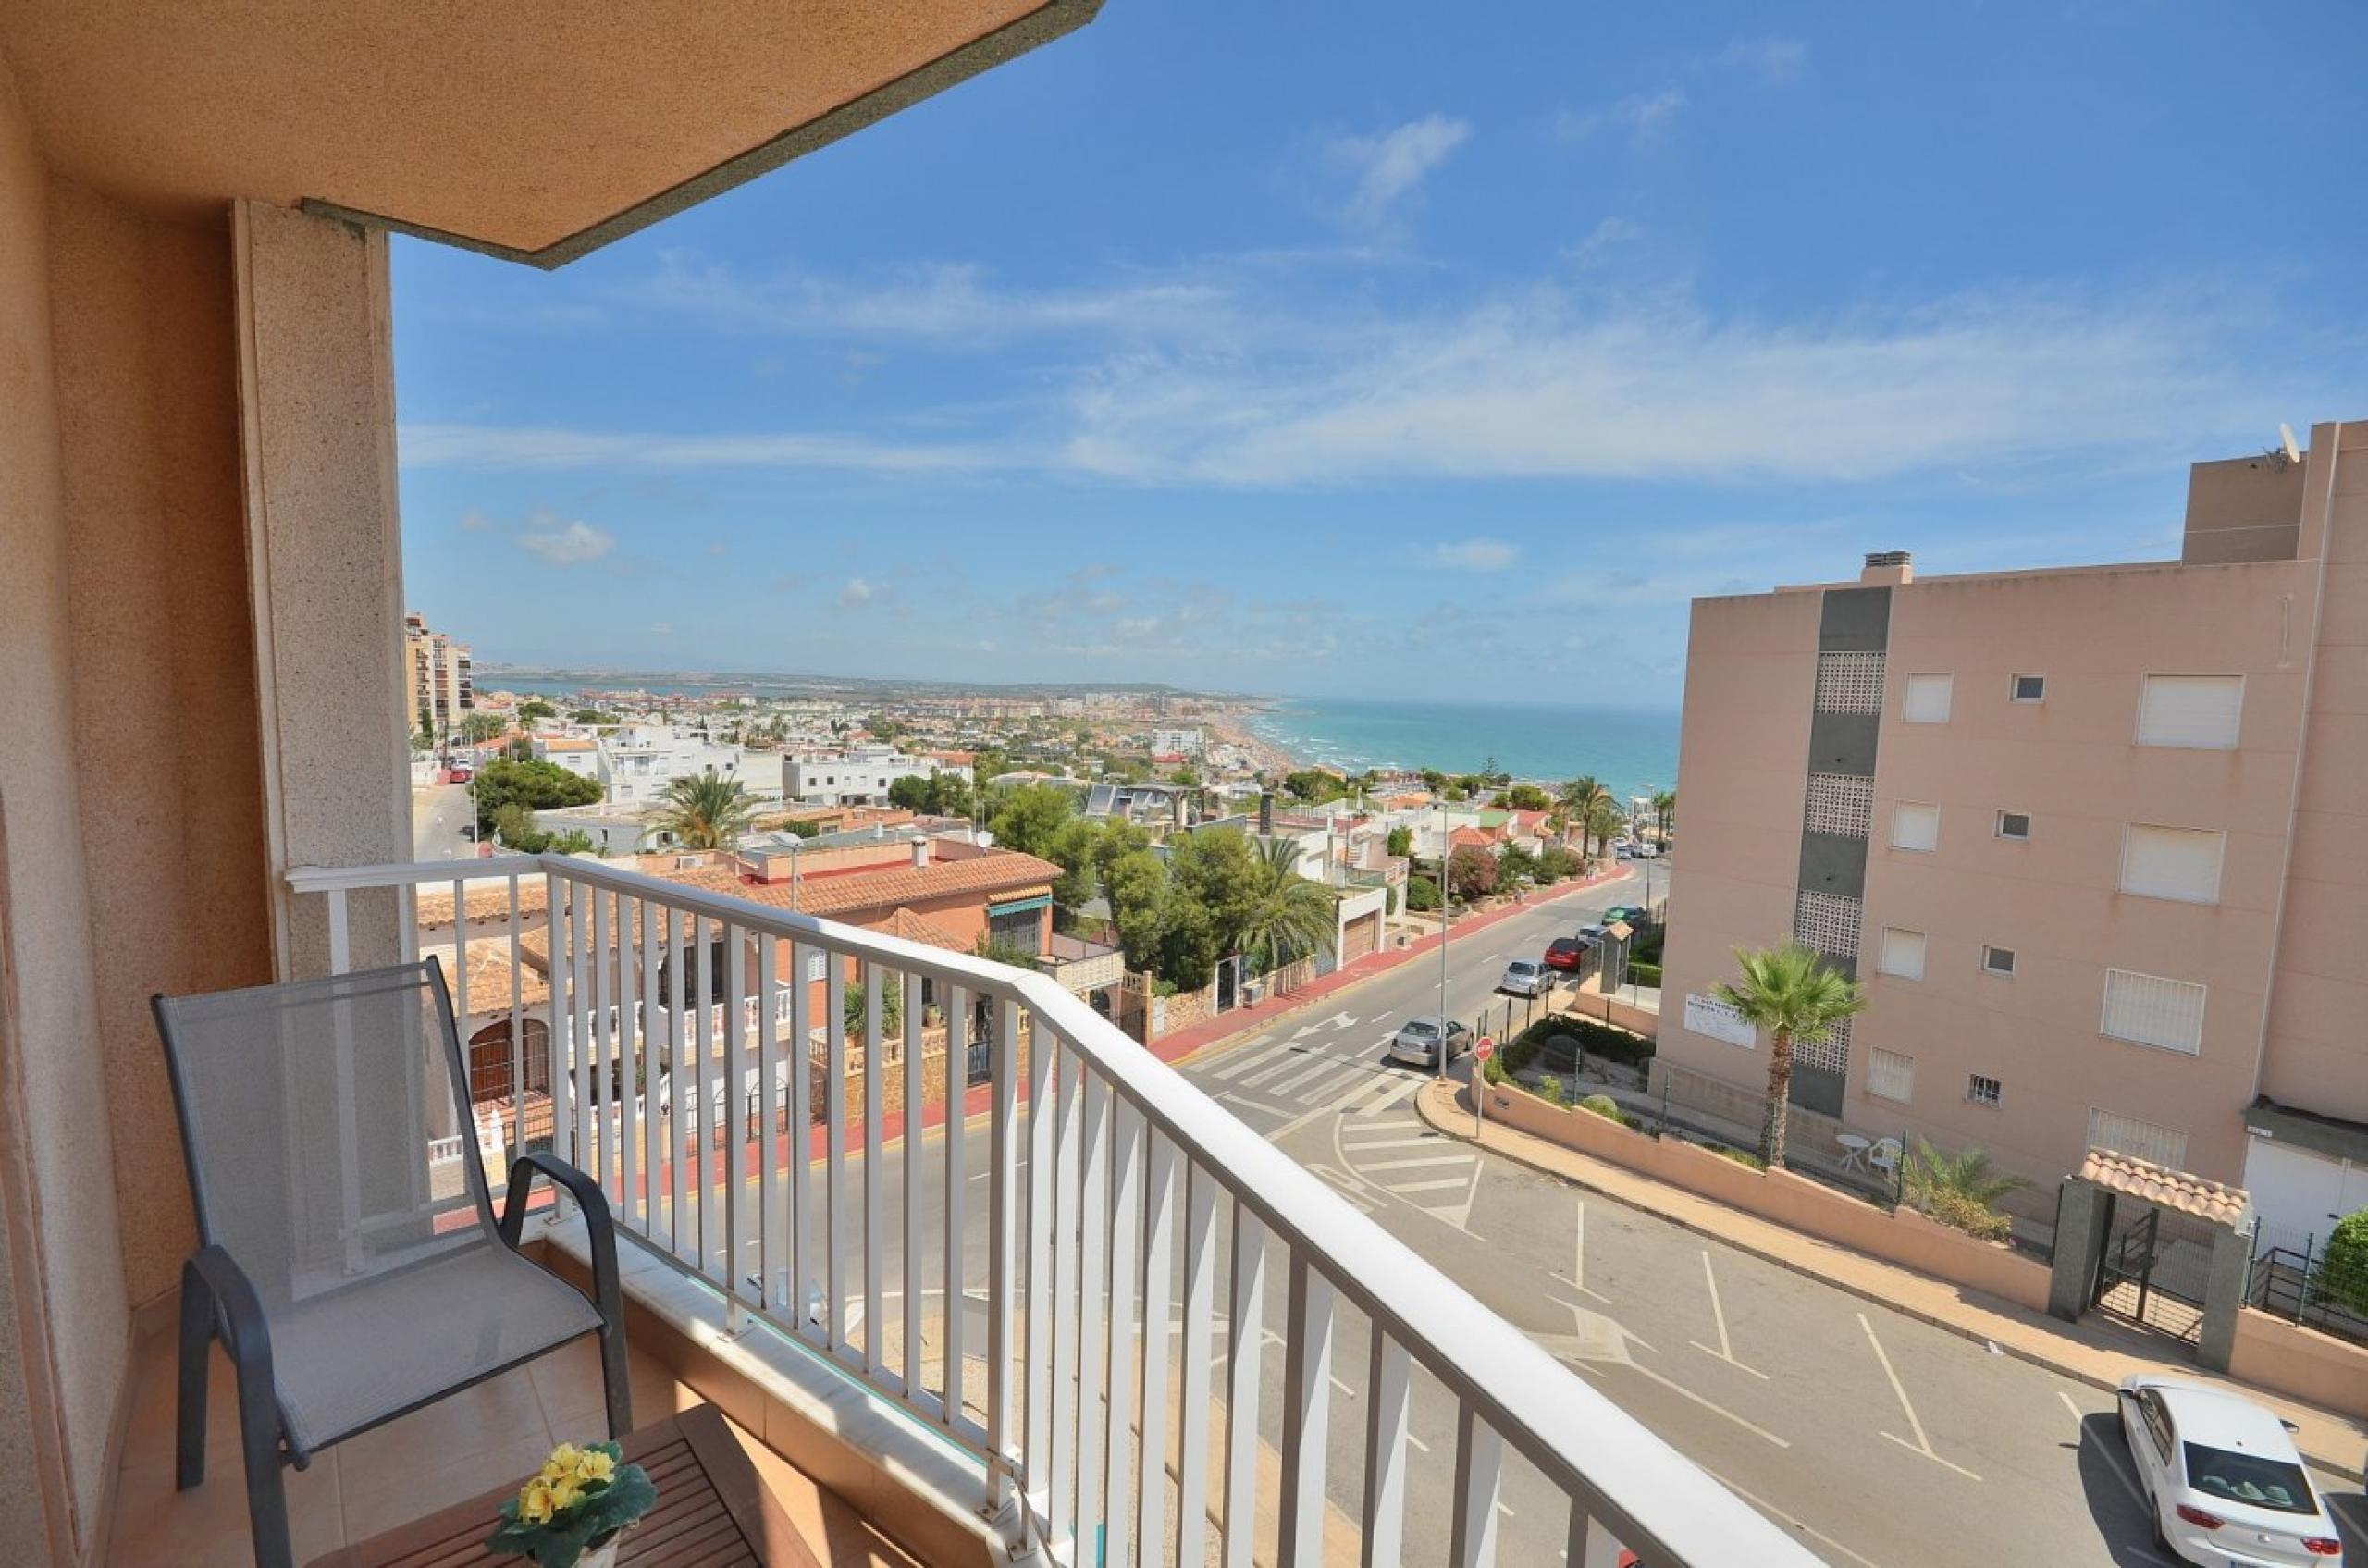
{"type": "Point", "coordinates": [1414, 1162]}
{"type": "Point", "coordinates": [1579, 1254]}
{"type": "Point", "coordinates": [1726, 1350]}
{"type": "Point", "coordinates": [2077, 1417]}
{"type": "Point", "coordinates": [1420, 1139]}
{"type": "Point", "coordinates": [1389, 1096]}
{"type": "Point", "coordinates": [1418, 1443]}
{"type": "Point", "coordinates": [1783, 1518]}
{"type": "Point", "coordinates": [1249, 1056]}
{"type": "Point", "coordinates": [1319, 1068]}
{"type": "Point", "coordinates": [1365, 1129]}
{"type": "Point", "coordinates": [1922, 1444]}
{"type": "Point", "coordinates": [1236, 1098]}
{"type": "Point", "coordinates": [1292, 1056]}
{"type": "Point", "coordinates": [1676, 1387]}
{"type": "Point", "coordinates": [1405, 1187]}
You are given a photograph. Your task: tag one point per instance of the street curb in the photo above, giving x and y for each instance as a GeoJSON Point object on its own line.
{"type": "Point", "coordinates": [2350, 1469]}
{"type": "Point", "coordinates": [1201, 1055]}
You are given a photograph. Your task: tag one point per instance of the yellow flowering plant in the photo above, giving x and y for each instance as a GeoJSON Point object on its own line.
{"type": "Point", "coordinates": [579, 1499]}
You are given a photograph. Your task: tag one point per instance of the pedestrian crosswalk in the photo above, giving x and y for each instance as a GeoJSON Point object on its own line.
{"type": "Point", "coordinates": [1395, 1153]}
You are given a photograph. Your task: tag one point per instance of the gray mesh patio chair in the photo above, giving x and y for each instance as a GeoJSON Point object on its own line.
{"type": "Point", "coordinates": [352, 1277]}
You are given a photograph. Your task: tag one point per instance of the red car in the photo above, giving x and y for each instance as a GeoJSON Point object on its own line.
{"type": "Point", "coordinates": [1567, 953]}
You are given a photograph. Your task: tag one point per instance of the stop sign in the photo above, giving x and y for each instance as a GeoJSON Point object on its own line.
{"type": "Point", "coordinates": [1485, 1049]}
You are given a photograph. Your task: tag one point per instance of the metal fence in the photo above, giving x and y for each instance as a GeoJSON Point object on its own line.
{"type": "Point", "coordinates": [2293, 1277]}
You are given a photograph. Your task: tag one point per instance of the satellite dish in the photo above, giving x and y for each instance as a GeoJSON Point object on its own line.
{"type": "Point", "coordinates": [2286, 436]}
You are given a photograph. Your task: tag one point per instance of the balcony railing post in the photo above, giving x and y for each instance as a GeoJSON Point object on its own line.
{"type": "Point", "coordinates": [1002, 1261]}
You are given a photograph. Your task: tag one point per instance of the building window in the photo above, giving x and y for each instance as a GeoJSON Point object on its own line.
{"type": "Point", "coordinates": [1891, 1076]}
{"type": "Point", "coordinates": [2182, 863]}
{"type": "Point", "coordinates": [2029, 688]}
{"type": "Point", "coordinates": [2013, 824]}
{"type": "Point", "coordinates": [1901, 953]}
{"type": "Point", "coordinates": [1914, 825]}
{"type": "Point", "coordinates": [2165, 1146]}
{"type": "Point", "coordinates": [1984, 1091]}
{"type": "Point", "coordinates": [1926, 700]}
{"type": "Point", "coordinates": [1997, 960]}
{"type": "Point", "coordinates": [2148, 1009]}
{"type": "Point", "coordinates": [2199, 712]}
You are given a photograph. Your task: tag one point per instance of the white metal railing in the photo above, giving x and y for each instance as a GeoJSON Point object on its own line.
{"type": "Point", "coordinates": [1116, 1196]}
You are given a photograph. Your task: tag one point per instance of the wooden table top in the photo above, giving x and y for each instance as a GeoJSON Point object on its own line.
{"type": "Point", "coordinates": [713, 1511]}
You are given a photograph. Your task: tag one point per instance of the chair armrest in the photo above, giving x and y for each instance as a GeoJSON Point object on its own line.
{"type": "Point", "coordinates": [599, 1227]}
{"type": "Point", "coordinates": [239, 1311]}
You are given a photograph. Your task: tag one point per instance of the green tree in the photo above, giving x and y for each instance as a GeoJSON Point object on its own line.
{"type": "Point", "coordinates": [1664, 809]}
{"type": "Point", "coordinates": [1031, 817]}
{"type": "Point", "coordinates": [1313, 785]}
{"type": "Point", "coordinates": [1962, 1191]}
{"type": "Point", "coordinates": [1797, 998]}
{"type": "Point", "coordinates": [517, 829]}
{"type": "Point", "coordinates": [1072, 849]}
{"type": "Point", "coordinates": [2344, 1273]}
{"type": "Point", "coordinates": [1527, 798]}
{"type": "Point", "coordinates": [1472, 873]}
{"type": "Point", "coordinates": [705, 811]}
{"type": "Point", "coordinates": [1135, 884]}
{"type": "Point", "coordinates": [1215, 880]}
{"type": "Point", "coordinates": [1604, 822]}
{"type": "Point", "coordinates": [909, 793]}
{"type": "Point", "coordinates": [1289, 917]}
{"type": "Point", "coordinates": [1579, 798]}
{"type": "Point", "coordinates": [1557, 863]}
{"type": "Point", "coordinates": [1422, 894]}
{"type": "Point", "coordinates": [535, 708]}
{"type": "Point", "coordinates": [1513, 863]}
{"type": "Point", "coordinates": [1402, 842]}
{"type": "Point", "coordinates": [855, 1005]}
{"type": "Point", "coordinates": [536, 786]}
{"type": "Point", "coordinates": [593, 716]}
{"type": "Point", "coordinates": [477, 728]}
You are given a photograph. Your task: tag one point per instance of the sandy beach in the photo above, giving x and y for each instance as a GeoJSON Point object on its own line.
{"type": "Point", "coordinates": [1269, 758]}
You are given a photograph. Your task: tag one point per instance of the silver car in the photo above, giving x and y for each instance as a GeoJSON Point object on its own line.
{"type": "Point", "coordinates": [1418, 1042]}
{"type": "Point", "coordinates": [2222, 1478]}
{"type": "Point", "coordinates": [1527, 977]}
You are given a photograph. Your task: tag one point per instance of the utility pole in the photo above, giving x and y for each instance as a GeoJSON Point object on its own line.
{"type": "Point", "coordinates": [1446, 1026]}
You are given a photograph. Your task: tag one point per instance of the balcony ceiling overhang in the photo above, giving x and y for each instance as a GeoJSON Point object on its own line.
{"type": "Point", "coordinates": [532, 130]}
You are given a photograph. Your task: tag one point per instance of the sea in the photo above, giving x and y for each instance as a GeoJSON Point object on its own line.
{"type": "Point", "coordinates": [1634, 751]}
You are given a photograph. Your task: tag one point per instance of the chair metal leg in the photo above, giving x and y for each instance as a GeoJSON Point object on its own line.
{"type": "Point", "coordinates": [197, 1342]}
{"type": "Point", "coordinates": [616, 1380]}
{"type": "Point", "coordinates": [266, 1491]}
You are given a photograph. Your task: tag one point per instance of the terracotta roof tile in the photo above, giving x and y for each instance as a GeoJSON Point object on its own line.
{"type": "Point", "coordinates": [489, 978]}
{"type": "Point", "coordinates": [2127, 1173]}
{"type": "Point", "coordinates": [913, 928]}
{"type": "Point", "coordinates": [998, 870]}
{"type": "Point", "coordinates": [488, 900]}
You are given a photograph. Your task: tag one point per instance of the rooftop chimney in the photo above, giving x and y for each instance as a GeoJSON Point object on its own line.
{"type": "Point", "coordinates": [1888, 566]}
{"type": "Point", "coordinates": [920, 854]}
{"type": "Point", "coordinates": [1266, 811]}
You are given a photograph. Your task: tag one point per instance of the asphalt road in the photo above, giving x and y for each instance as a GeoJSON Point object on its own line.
{"type": "Point", "coordinates": [1877, 1440]}
{"type": "Point", "coordinates": [438, 814]}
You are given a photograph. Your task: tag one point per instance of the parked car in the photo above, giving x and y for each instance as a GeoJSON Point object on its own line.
{"type": "Point", "coordinates": [1418, 1042]}
{"type": "Point", "coordinates": [2220, 1477]}
{"type": "Point", "coordinates": [1527, 977]}
{"type": "Point", "coordinates": [1632, 913]}
{"type": "Point", "coordinates": [1568, 953]}
{"type": "Point", "coordinates": [461, 772]}
{"type": "Point", "coordinates": [1646, 851]}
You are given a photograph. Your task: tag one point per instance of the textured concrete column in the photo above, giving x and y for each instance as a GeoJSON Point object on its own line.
{"type": "Point", "coordinates": [2224, 1296]}
{"type": "Point", "coordinates": [323, 546]}
{"type": "Point", "coordinates": [2080, 1216]}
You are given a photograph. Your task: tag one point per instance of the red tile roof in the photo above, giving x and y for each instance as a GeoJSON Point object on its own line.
{"type": "Point", "coordinates": [997, 870]}
{"type": "Point", "coordinates": [2118, 1172]}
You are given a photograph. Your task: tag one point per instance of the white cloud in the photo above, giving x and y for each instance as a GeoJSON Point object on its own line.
{"type": "Point", "coordinates": [857, 592]}
{"type": "Point", "coordinates": [1390, 165]}
{"type": "Point", "coordinates": [475, 521]}
{"type": "Point", "coordinates": [573, 544]}
{"type": "Point", "coordinates": [436, 445]}
{"type": "Point", "coordinates": [1774, 60]}
{"type": "Point", "coordinates": [1602, 238]}
{"type": "Point", "coordinates": [1642, 115]}
{"type": "Point", "coordinates": [1475, 555]}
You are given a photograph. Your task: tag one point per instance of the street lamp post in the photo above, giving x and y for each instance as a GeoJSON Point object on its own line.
{"type": "Point", "coordinates": [1445, 1027]}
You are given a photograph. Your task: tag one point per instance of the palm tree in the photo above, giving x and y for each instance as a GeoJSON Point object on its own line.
{"type": "Point", "coordinates": [1664, 810]}
{"type": "Point", "coordinates": [1791, 994]}
{"type": "Point", "coordinates": [1579, 798]}
{"type": "Point", "coordinates": [1604, 819]}
{"type": "Point", "coordinates": [706, 812]}
{"type": "Point", "coordinates": [1289, 917]}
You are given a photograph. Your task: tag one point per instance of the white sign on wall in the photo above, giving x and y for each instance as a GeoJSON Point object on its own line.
{"type": "Point", "coordinates": [1708, 1015]}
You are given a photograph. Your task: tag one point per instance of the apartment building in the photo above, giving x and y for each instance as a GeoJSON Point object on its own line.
{"type": "Point", "coordinates": [441, 684]}
{"type": "Point", "coordinates": [1176, 742]}
{"type": "Point", "coordinates": [2095, 840]}
{"type": "Point", "coordinates": [638, 762]}
{"type": "Point", "coordinates": [856, 775]}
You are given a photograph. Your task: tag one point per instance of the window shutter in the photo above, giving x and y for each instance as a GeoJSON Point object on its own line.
{"type": "Point", "coordinates": [2152, 1010]}
{"type": "Point", "coordinates": [1914, 825]}
{"type": "Point", "coordinates": [2204, 711]}
{"type": "Point", "coordinates": [1925, 700]}
{"type": "Point", "coordinates": [1891, 1076]}
{"type": "Point", "coordinates": [1903, 953]}
{"type": "Point", "coordinates": [2172, 862]}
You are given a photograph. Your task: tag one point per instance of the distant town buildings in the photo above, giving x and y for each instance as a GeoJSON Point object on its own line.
{"type": "Point", "coordinates": [2095, 840]}
{"type": "Point", "coordinates": [440, 683]}
{"type": "Point", "coordinates": [860, 775]}
{"type": "Point", "coordinates": [1176, 742]}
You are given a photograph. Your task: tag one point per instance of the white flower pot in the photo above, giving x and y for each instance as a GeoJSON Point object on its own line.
{"type": "Point", "coordinates": [602, 1556]}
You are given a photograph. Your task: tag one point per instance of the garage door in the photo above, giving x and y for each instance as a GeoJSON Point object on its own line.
{"type": "Point", "coordinates": [1363, 935]}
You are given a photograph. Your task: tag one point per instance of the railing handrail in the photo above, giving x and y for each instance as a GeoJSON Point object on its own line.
{"type": "Point", "coordinates": [1656, 1501]}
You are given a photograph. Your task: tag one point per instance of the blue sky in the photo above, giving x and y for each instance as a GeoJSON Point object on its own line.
{"type": "Point", "coordinates": [1402, 349]}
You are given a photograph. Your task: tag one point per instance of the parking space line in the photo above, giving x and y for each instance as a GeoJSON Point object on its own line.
{"type": "Point", "coordinates": [1416, 1162]}
{"type": "Point", "coordinates": [1726, 1350]}
{"type": "Point", "coordinates": [1675, 1386]}
{"type": "Point", "coordinates": [1922, 1444]}
{"type": "Point", "coordinates": [1578, 1280]}
{"type": "Point", "coordinates": [1782, 1517]}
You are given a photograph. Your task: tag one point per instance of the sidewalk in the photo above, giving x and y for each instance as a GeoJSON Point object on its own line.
{"type": "Point", "coordinates": [2093, 1351]}
{"type": "Point", "coordinates": [1184, 1042]}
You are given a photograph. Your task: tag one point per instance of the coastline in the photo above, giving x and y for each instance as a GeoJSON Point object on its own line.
{"type": "Point", "coordinates": [1268, 757]}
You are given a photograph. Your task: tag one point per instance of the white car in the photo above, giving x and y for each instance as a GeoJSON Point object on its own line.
{"type": "Point", "coordinates": [1527, 976]}
{"type": "Point", "coordinates": [2222, 1478]}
